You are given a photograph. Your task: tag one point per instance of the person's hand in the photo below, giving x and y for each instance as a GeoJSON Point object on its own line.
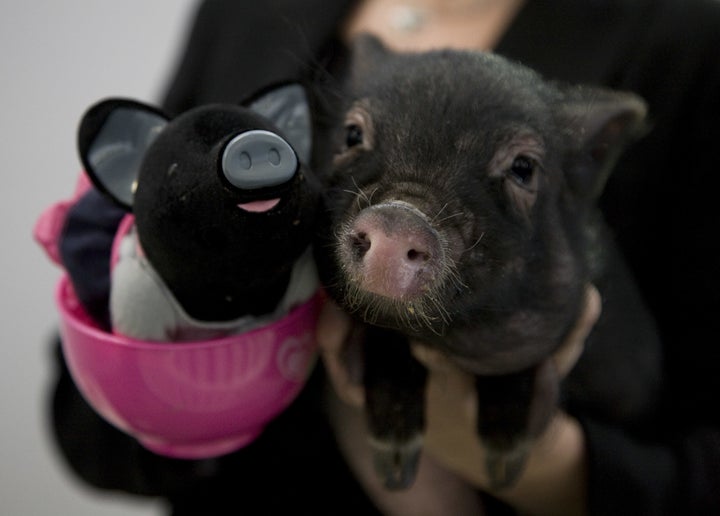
{"type": "Point", "coordinates": [553, 481]}
{"type": "Point", "coordinates": [333, 332]}
{"type": "Point", "coordinates": [334, 327]}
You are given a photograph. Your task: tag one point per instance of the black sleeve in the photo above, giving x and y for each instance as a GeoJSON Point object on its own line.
{"type": "Point", "coordinates": [662, 203]}
{"type": "Point", "coordinates": [237, 48]}
{"type": "Point", "coordinates": [85, 248]}
{"type": "Point", "coordinates": [633, 475]}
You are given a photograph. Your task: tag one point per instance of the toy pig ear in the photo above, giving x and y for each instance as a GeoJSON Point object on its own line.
{"type": "Point", "coordinates": [287, 107]}
{"type": "Point", "coordinates": [113, 137]}
{"type": "Point", "coordinates": [605, 122]}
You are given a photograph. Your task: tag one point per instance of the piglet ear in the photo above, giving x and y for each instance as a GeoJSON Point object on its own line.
{"type": "Point", "coordinates": [286, 106]}
{"type": "Point", "coordinates": [367, 47]}
{"type": "Point", "coordinates": [603, 122]}
{"type": "Point", "coordinates": [113, 137]}
{"type": "Point", "coordinates": [367, 54]}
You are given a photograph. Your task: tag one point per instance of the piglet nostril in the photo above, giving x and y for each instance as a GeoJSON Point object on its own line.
{"type": "Point", "coordinates": [391, 250]}
{"type": "Point", "coordinates": [415, 255]}
{"type": "Point", "coordinates": [360, 244]}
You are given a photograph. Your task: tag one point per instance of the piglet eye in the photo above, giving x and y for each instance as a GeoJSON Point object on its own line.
{"type": "Point", "coordinates": [522, 171]}
{"type": "Point", "coordinates": [353, 135]}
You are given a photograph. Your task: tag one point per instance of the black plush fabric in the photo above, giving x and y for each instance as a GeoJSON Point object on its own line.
{"type": "Point", "coordinates": [660, 203]}
{"type": "Point", "coordinates": [237, 48]}
{"type": "Point", "coordinates": [85, 248]}
{"type": "Point", "coordinates": [219, 261]}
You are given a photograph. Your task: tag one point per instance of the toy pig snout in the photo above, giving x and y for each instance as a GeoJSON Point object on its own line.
{"type": "Point", "coordinates": [258, 159]}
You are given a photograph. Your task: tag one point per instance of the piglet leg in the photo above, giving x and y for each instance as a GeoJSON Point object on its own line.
{"type": "Point", "coordinates": [395, 403]}
{"type": "Point", "coordinates": [513, 410]}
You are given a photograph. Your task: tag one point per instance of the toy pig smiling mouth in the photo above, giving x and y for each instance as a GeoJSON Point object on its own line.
{"type": "Point", "coordinates": [259, 206]}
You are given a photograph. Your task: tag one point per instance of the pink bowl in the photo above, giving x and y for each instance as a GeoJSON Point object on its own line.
{"type": "Point", "coordinates": [191, 399]}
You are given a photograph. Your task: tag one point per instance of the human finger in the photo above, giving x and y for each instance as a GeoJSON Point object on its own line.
{"type": "Point", "coordinates": [570, 351]}
{"type": "Point", "coordinates": [333, 330]}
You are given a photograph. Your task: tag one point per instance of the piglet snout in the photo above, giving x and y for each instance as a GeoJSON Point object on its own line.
{"type": "Point", "coordinates": [393, 251]}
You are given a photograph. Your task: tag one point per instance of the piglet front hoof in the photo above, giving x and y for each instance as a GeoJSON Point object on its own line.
{"type": "Point", "coordinates": [504, 469]}
{"type": "Point", "coordinates": [396, 464]}
{"type": "Point", "coordinates": [394, 400]}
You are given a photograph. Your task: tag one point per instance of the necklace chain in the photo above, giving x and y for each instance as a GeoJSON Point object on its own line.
{"type": "Point", "coordinates": [414, 17]}
{"type": "Point", "coordinates": [408, 18]}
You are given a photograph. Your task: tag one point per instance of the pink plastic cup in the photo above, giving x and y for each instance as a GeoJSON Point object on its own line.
{"type": "Point", "coordinates": [192, 399]}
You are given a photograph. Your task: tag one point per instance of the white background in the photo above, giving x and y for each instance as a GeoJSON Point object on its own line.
{"type": "Point", "coordinates": [57, 58]}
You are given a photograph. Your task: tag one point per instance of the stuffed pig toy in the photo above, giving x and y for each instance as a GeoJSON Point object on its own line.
{"type": "Point", "coordinates": [191, 254]}
{"type": "Point", "coordinates": [222, 215]}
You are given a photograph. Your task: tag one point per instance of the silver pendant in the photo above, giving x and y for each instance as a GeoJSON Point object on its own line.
{"type": "Point", "coordinates": [407, 18]}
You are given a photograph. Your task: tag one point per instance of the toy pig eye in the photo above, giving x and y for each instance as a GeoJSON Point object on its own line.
{"type": "Point", "coordinates": [523, 172]}
{"type": "Point", "coordinates": [353, 135]}
{"type": "Point", "coordinates": [258, 159]}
